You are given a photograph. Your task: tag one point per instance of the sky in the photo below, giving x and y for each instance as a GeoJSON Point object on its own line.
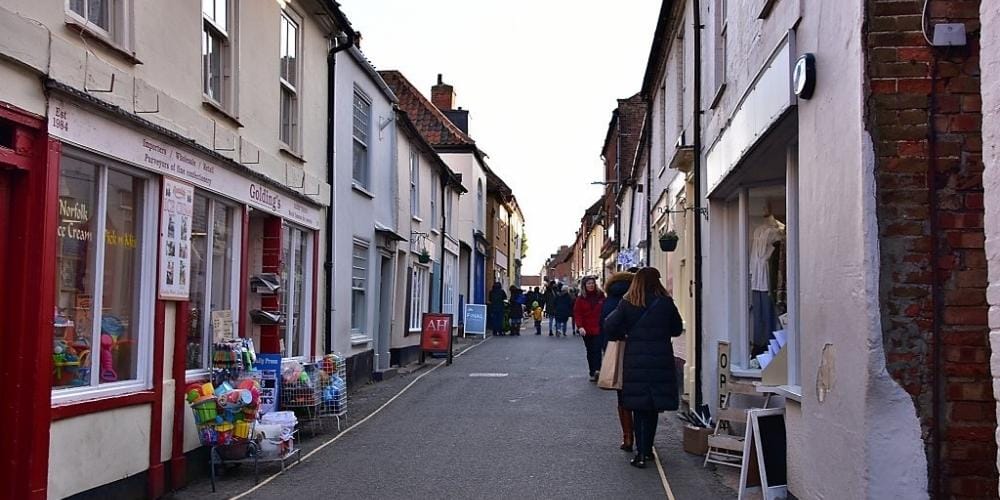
{"type": "Point", "coordinates": [539, 78]}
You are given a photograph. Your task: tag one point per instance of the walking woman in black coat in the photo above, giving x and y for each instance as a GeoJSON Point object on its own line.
{"type": "Point", "coordinates": [646, 319]}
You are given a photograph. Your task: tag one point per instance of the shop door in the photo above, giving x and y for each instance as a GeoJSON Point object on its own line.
{"type": "Point", "coordinates": [479, 280]}
{"type": "Point", "coordinates": [384, 332]}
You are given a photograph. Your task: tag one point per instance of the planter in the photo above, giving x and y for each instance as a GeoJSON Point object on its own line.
{"type": "Point", "coordinates": [668, 244]}
{"type": "Point", "coordinates": [424, 258]}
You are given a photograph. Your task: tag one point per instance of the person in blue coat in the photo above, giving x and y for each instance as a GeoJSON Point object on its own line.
{"type": "Point", "coordinates": [646, 319]}
{"type": "Point", "coordinates": [563, 310]}
{"type": "Point", "coordinates": [496, 309]}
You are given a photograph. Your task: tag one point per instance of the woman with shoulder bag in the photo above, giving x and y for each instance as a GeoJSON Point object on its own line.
{"type": "Point", "coordinates": [616, 286]}
{"type": "Point", "coordinates": [646, 319]}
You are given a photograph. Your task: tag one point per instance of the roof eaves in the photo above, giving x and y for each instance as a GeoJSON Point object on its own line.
{"type": "Point", "coordinates": [369, 70]}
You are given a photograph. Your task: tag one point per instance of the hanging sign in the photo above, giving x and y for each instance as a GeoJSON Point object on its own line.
{"type": "Point", "coordinates": [176, 209]}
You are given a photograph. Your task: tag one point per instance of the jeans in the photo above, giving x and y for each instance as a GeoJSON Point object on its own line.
{"type": "Point", "coordinates": [593, 345]}
{"type": "Point", "coordinates": [552, 320]}
{"type": "Point", "coordinates": [645, 422]}
{"type": "Point", "coordinates": [561, 327]}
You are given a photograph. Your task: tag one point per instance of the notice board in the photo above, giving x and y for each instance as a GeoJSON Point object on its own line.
{"type": "Point", "coordinates": [475, 319]}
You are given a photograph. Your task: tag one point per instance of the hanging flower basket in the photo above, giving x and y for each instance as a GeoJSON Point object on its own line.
{"type": "Point", "coordinates": [668, 241]}
{"type": "Point", "coordinates": [424, 257]}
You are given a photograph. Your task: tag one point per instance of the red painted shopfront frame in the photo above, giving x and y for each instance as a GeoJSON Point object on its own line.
{"type": "Point", "coordinates": [27, 301]}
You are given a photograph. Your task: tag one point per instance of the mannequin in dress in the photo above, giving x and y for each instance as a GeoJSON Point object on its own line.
{"type": "Point", "coordinates": [764, 316]}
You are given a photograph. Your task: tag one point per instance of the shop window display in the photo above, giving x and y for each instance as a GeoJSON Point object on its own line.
{"type": "Point", "coordinates": [768, 264]}
{"type": "Point", "coordinates": [295, 265]}
{"type": "Point", "coordinates": [212, 265]}
{"type": "Point", "coordinates": [98, 328]}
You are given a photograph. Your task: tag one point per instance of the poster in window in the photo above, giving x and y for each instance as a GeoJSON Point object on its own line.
{"type": "Point", "coordinates": [175, 239]}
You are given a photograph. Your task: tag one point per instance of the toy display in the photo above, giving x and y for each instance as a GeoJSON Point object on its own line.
{"type": "Point", "coordinates": [225, 413]}
{"type": "Point", "coordinates": [231, 359]}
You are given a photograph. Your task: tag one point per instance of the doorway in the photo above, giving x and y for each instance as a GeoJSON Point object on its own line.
{"type": "Point", "coordinates": [383, 333]}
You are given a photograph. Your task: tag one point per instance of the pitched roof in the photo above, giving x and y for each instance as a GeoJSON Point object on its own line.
{"type": "Point", "coordinates": [429, 120]}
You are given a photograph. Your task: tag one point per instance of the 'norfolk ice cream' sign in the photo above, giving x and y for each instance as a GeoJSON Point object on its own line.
{"type": "Point", "coordinates": [177, 208]}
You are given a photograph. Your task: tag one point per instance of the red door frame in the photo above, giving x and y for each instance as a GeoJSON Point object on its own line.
{"type": "Point", "coordinates": [25, 355]}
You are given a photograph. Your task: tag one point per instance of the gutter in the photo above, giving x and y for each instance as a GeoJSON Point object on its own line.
{"type": "Point", "coordinates": [331, 152]}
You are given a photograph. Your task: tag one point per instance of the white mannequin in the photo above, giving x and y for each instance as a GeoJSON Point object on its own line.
{"type": "Point", "coordinates": [761, 248]}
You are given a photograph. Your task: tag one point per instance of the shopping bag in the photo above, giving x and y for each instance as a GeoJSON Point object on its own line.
{"type": "Point", "coordinates": [610, 377]}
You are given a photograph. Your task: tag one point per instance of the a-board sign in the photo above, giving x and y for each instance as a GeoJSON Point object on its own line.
{"type": "Point", "coordinates": [724, 368]}
{"type": "Point", "coordinates": [475, 319]}
{"type": "Point", "coordinates": [435, 332]}
{"type": "Point", "coordinates": [269, 366]}
{"type": "Point", "coordinates": [766, 441]}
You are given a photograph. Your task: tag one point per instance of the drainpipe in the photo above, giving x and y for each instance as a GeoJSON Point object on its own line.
{"type": "Point", "coordinates": [937, 296]}
{"type": "Point", "coordinates": [696, 181]}
{"type": "Point", "coordinates": [331, 151]}
{"type": "Point", "coordinates": [649, 182]}
{"type": "Point", "coordinates": [444, 216]}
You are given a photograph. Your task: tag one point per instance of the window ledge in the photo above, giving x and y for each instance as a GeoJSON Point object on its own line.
{"type": "Point", "coordinates": [287, 151]}
{"type": "Point", "coordinates": [211, 105]}
{"type": "Point", "coordinates": [361, 189]}
{"type": "Point", "coordinates": [417, 218]}
{"type": "Point", "coordinates": [357, 340]}
{"type": "Point", "coordinates": [85, 29]}
{"type": "Point", "coordinates": [718, 96]}
{"type": "Point", "coordinates": [197, 374]}
{"type": "Point", "coordinates": [435, 231]}
{"type": "Point", "coordinates": [789, 392]}
{"type": "Point", "coordinates": [745, 372]}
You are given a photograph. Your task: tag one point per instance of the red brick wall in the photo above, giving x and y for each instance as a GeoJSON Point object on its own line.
{"type": "Point", "coordinates": [930, 214]}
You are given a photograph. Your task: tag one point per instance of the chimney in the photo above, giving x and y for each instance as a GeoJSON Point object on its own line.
{"type": "Point", "coordinates": [460, 117]}
{"type": "Point", "coordinates": [357, 39]}
{"type": "Point", "coordinates": [443, 95]}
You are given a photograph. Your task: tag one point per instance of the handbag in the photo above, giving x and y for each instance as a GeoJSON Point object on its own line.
{"type": "Point", "coordinates": [610, 377]}
{"type": "Point", "coordinates": [612, 366]}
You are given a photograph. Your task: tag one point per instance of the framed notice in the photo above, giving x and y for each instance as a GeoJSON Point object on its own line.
{"type": "Point", "coordinates": [176, 209]}
{"type": "Point", "coordinates": [475, 319]}
{"type": "Point", "coordinates": [222, 325]}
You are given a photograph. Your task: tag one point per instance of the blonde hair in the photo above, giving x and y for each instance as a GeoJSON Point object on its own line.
{"type": "Point", "coordinates": [645, 285]}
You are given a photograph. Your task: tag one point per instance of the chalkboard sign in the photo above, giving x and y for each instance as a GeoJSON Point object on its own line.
{"type": "Point", "coordinates": [475, 319]}
{"type": "Point", "coordinates": [766, 442]}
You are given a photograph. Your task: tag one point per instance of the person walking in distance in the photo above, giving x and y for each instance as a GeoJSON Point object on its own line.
{"type": "Point", "coordinates": [587, 320]}
{"type": "Point", "coordinates": [549, 303]}
{"type": "Point", "coordinates": [536, 314]}
{"type": "Point", "coordinates": [615, 287]}
{"type": "Point", "coordinates": [515, 314]}
{"type": "Point", "coordinates": [563, 310]}
{"type": "Point", "coordinates": [496, 308]}
{"type": "Point", "coordinates": [646, 319]}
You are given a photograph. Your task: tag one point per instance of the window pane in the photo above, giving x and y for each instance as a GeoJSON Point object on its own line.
{"type": "Point", "coordinates": [360, 169]}
{"type": "Point", "coordinates": [120, 326]}
{"type": "Point", "coordinates": [200, 315]}
{"type": "Point", "coordinates": [98, 12]}
{"type": "Point", "coordinates": [288, 120]}
{"type": "Point", "coordinates": [362, 120]}
{"type": "Point", "coordinates": [77, 251]}
{"type": "Point", "coordinates": [289, 50]}
{"type": "Point", "coordinates": [359, 282]}
{"type": "Point", "coordinates": [79, 7]}
{"type": "Point", "coordinates": [299, 278]}
{"type": "Point", "coordinates": [211, 51]}
{"type": "Point", "coordinates": [285, 292]}
{"type": "Point", "coordinates": [222, 259]}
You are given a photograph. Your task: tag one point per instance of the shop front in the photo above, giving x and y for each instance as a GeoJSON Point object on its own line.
{"type": "Point", "coordinates": [163, 249]}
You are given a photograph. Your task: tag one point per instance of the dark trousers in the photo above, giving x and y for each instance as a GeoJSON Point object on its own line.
{"type": "Point", "coordinates": [645, 430]}
{"type": "Point", "coordinates": [593, 345]}
{"type": "Point", "coordinates": [538, 327]}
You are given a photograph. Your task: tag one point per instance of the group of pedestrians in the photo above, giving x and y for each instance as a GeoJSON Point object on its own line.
{"type": "Point", "coordinates": [638, 311]}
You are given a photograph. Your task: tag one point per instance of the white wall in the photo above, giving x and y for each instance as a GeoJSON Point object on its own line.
{"type": "Point", "coordinates": [989, 64]}
{"type": "Point", "coordinates": [357, 210]}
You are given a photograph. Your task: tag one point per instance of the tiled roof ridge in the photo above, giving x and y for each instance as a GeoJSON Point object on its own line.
{"type": "Point", "coordinates": [407, 94]}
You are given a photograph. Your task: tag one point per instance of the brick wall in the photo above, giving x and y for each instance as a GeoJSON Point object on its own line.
{"type": "Point", "coordinates": [924, 114]}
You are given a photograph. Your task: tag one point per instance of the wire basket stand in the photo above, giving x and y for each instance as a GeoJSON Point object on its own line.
{"type": "Point", "coordinates": [331, 380]}
{"type": "Point", "coordinates": [301, 394]}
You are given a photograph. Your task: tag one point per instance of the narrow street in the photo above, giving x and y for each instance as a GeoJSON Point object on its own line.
{"type": "Point", "coordinates": [514, 417]}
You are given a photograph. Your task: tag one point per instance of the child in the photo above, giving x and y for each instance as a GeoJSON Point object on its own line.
{"type": "Point", "coordinates": [536, 314]}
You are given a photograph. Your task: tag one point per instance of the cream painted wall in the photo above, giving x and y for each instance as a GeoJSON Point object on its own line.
{"type": "Point", "coordinates": [989, 64]}
{"type": "Point", "coordinates": [91, 450]}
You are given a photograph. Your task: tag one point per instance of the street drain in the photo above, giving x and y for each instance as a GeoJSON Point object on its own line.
{"type": "Point", "coordinates": [488, 375]}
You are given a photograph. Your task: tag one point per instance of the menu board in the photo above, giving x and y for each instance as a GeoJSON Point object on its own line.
{"type": "Point", "coordinates": [176, 209]}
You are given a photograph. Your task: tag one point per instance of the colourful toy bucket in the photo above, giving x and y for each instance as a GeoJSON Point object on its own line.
{"type": "Point", "coordinates": [205, 412]}
{"type": "Point", "coordinates": [225, 432]}
{"type": "Point", "coordinates": [241, 430]}
{"type": "Point", "coordinates": [250, 412]}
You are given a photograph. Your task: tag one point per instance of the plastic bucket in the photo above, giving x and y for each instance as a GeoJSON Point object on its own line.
{"type": "Point", "coordinates": [205, 412]}
{"type": "Point", "coordinates": [241, 430]}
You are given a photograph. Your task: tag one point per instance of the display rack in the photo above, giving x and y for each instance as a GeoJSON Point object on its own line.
{"type": "Point", "coordinates": [300, 393]}
{"type": "Point", "coordinates": [331, 380]}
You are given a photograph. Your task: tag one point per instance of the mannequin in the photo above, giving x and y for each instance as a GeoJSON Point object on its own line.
{"type": "Point", "coordinates": [764, 316]}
